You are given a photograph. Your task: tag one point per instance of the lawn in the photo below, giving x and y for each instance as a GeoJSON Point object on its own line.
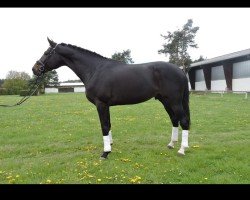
{"type": "Point", "coordinates": [57, 138]}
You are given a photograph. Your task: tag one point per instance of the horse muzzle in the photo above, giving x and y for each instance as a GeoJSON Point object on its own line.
{"type": "Point", "coordinates": [38, 71]}
{"type": "Point", "coordinates": [38, 68]}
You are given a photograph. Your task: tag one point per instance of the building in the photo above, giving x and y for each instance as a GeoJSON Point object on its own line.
{"type": "Point", "coordinates": [66, 87]}
{"type": "Point", "coordinates": [230, 72]}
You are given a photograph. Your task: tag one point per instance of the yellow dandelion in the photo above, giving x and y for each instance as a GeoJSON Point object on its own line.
{"type": "Point", "coordinates": [12, 180]}
{"type": "Point", "coordinates": [135, 179]}
{"type": "Point", "coordinates": [99, 180]}
{"type": "Point", "coordinates": [125, 160]}
{"type": "Point", "coordinates": [48, 181]}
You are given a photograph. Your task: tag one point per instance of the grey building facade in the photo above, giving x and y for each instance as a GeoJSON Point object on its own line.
{"type": "Point", "coordinates": [230, 72]}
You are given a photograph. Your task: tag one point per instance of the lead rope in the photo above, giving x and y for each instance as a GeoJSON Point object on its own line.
{"type": "Point", "coordinates": [36, 85]}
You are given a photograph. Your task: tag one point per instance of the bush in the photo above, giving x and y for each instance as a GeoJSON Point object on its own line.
{"type": "Point", "coordinates": [3, 91]}
{"type": "Point", "coordinates": [26, 93]}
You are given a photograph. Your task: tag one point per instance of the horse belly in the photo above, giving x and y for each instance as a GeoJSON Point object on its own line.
{"type": "Point", "coordinates": [131, 93]}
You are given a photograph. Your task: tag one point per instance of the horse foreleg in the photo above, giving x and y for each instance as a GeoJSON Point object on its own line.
{"type": "Point", "coordinates": [103, 112]}
{"type": "Point", "coordinates": [110, 133]}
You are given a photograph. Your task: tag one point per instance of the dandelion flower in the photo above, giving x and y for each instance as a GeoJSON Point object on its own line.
{"type": "Point", "coordinates": [48, 181]}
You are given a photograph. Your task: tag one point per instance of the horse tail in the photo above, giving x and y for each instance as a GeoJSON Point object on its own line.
{"type": "Point", "coordinates": [185, 101]}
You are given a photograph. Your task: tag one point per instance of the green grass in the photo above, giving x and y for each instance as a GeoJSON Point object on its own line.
{"type": "Point", "coordinates": [57, 139]}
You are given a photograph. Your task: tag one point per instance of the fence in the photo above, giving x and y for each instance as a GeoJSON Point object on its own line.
{"type": "Point", "coordinates": [221, 92]}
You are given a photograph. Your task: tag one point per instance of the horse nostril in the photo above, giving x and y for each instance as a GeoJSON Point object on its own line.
{"type": "Point", "coordinates": [41, 69]}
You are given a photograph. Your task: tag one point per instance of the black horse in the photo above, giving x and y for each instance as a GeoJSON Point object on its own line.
{"type": "Point", "coordinates": [109, 82]}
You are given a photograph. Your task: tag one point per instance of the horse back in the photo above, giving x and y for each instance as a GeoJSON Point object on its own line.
{"type": "Point", "coordinates": [129, 84]}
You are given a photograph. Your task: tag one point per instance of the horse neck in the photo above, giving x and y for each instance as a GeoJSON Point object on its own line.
{"type": "Point", "coordinates": [83, 64]}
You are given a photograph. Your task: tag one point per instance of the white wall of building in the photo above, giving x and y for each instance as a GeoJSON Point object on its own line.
{"type": "Point", "coordinates": [200, 80]}
{"type": "Point", "coordinates": [241, 84]}
{"type": "Point", "coordinates": [218, 81]}
{"type": "Point", "coordinates": [72, 84]}
{"type": "Point", "coordinates": [51, 90]}
{"type": "Point", "coordinates": [218, 85]}
{"type": "Point", "coordinates": [79, 89]}
{"type": "Point", "coordinates": [241, 76]}
{"type": "Point", "coordinates": [201, 85]}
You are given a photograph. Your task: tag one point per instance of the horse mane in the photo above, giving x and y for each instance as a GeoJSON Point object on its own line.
{"type": "Point", "coordinates": [82, 50]}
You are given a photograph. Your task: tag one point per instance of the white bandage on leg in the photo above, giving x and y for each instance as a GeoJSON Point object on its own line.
{"type": "Point", "coordinates": [106, 142]}
{"type": "Point", "coordinates": [110, 137]}
{"type": "Point", "coordinates": [174, 137]}
{"type": "Point", "coordinates": [184, 140]}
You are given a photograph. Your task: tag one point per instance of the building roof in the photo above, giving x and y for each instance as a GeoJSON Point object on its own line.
{"type": "Point", "coordinates": [72, 84]}
{"type": "Point", "coordinates": [221, 58]}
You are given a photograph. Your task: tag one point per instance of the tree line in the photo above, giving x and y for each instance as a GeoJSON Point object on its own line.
{"type": "Point", "coordinates": [16, 82]}
{"type": "Point", "coordinates": [176, 48]}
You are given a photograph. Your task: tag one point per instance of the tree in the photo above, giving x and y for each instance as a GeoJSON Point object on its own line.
{"type": "Point", "coordinates": [201, 58]}
{"type": "Point", "coordinates": [17, 75]}
{"type": "Point", "coordinates": [16, 81]}
{"type": "Point", "coordinates": [123, 57]}
{"type": "Point", "coordinates": [178, 43]}
{"type": "Point", "coordinates": [50, 78]}
{"type": "Point", "coordinates": [1, 82]}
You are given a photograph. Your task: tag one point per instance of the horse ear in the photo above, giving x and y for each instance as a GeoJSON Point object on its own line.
{"type": "Point", "coordinates": [51, 42]}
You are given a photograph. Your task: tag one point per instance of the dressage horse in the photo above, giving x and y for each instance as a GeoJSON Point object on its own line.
{"type": "Point", "coordinates": [109, 82]}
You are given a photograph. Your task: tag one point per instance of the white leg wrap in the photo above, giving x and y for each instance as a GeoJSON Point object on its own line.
{"type": "Point", "coordinates": [110, 137]}
{"type": "Point", "coordinates": [174, 137]}
{"type": "Point", "coordinates": [106, 141]}
{"type": "Point", "coordinates": [184, 142]}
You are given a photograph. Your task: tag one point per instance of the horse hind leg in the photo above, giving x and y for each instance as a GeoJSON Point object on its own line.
{"type": "Point", "coordinates": [184, 122]}
{"type": "Point", "coordinates": [174, 120]}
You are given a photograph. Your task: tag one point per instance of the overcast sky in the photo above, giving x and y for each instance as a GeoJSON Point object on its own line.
{"type": "Point", "coordinates": [24, 31]}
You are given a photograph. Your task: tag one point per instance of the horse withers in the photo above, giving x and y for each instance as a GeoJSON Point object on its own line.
{"type": "Point", "coordinates": [109, 82]}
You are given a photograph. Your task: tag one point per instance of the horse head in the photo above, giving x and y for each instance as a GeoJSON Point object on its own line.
{"type": "Point", "coordinates": [50, 60]}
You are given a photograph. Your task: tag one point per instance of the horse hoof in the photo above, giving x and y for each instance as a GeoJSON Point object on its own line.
{"type": "Point", "coordinates": [104, 155]}
{"type": "Point", "coordinates": [170, 146]}
{"type": "Point", "coordinates": [181, 152]}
